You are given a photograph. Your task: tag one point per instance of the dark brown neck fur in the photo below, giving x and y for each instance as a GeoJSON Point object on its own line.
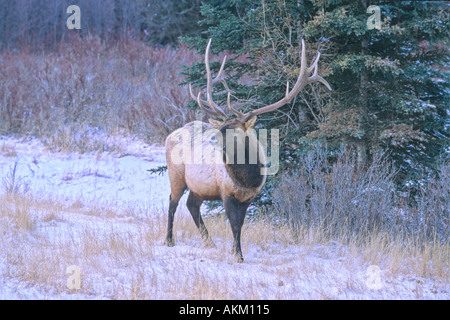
{"type": "Point", "coordinates": [247, 175]}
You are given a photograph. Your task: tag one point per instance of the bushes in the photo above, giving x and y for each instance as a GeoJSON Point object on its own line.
{"type": "Point", "coordinates": [344, 202]}
{"type": "Point", "coordinates": [433, 212]}
{"type": "Point", "coordinates": [88, 87]}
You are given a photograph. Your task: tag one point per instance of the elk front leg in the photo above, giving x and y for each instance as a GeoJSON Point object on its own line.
{"type": "Point", "coordinates": [236, 214]}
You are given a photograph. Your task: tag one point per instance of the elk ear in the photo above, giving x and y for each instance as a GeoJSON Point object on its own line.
{"type": "Point", "coordinates": [250, 123]}
{"type": "Point", "coordinates": [215, 123]}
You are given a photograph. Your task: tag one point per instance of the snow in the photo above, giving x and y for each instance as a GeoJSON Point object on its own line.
{"type": "Point", "coordinates": [109, 217]}
{"type": "Point", "coordinates": [117, 178]}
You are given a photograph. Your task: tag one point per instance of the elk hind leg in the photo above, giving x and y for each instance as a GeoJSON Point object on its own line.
{"type": "Point", "coordinates": [173, 204]}
{"type": "Point", "coordinates": [193, 204]}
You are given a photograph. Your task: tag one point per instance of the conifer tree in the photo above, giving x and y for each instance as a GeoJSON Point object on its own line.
{"type": "Point", "coordinates": [390, 83]}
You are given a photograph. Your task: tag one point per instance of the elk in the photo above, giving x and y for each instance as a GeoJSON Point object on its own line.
{"type": "Point", "coordinates": [216, 175]}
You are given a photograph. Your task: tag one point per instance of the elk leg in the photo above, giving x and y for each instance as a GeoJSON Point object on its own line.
{"type": "Point", "coordinates": [236, 214]}
{"type": "Point", "coordinates": [193, 204]}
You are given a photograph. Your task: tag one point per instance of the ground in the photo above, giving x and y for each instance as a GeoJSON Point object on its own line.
{"type": "Point", "coordinates": [100, 219]}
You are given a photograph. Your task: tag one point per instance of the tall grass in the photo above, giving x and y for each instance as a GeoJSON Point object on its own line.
{"type": "Point", "coordinates": [86, 88]}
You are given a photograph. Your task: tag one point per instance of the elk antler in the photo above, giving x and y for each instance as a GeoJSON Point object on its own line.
{"type": "Point", "coordinates": [215, 110]}
{"type": "Point", "coordinates": [303, 79]}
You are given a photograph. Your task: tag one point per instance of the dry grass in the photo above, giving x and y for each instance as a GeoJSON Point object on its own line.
{"type": "Point", "coordinates": [8, 150]}
{"type": "Point", "coordinates": [123, 258]}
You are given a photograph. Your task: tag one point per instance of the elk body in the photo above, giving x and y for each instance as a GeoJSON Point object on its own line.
{"type": "Point", "coordinates": [204, 156]}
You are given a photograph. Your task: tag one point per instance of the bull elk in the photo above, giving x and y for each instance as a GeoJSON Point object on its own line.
{"type": "Point", "coordinates": [217, 175]}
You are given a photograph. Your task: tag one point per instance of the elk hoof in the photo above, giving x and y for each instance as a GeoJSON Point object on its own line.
{"type": "Point", "coordinates": [169, 243]}
{"type": "Point", "coordinates": [209, 243]}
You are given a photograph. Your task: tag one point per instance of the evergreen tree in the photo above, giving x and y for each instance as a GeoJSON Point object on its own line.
{"type": "Point", "coordinates": [391, 82]}
{"type": "Point", "coordinates": [390, 85]}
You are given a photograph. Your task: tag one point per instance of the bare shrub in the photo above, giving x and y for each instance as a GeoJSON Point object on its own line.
{"type": "Point", "coordinates": [345, 202]}
{"type": "Point", "coordinates": [432, 216]}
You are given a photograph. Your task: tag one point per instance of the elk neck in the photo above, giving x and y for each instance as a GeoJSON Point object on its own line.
{"type": "Point", "coordinates": [247, 174]}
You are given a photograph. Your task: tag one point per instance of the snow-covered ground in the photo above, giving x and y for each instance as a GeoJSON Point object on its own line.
{"type": "Point", "coordinates": [104, 214]}
{"type": "Point", "coordinates": [113, 178]}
